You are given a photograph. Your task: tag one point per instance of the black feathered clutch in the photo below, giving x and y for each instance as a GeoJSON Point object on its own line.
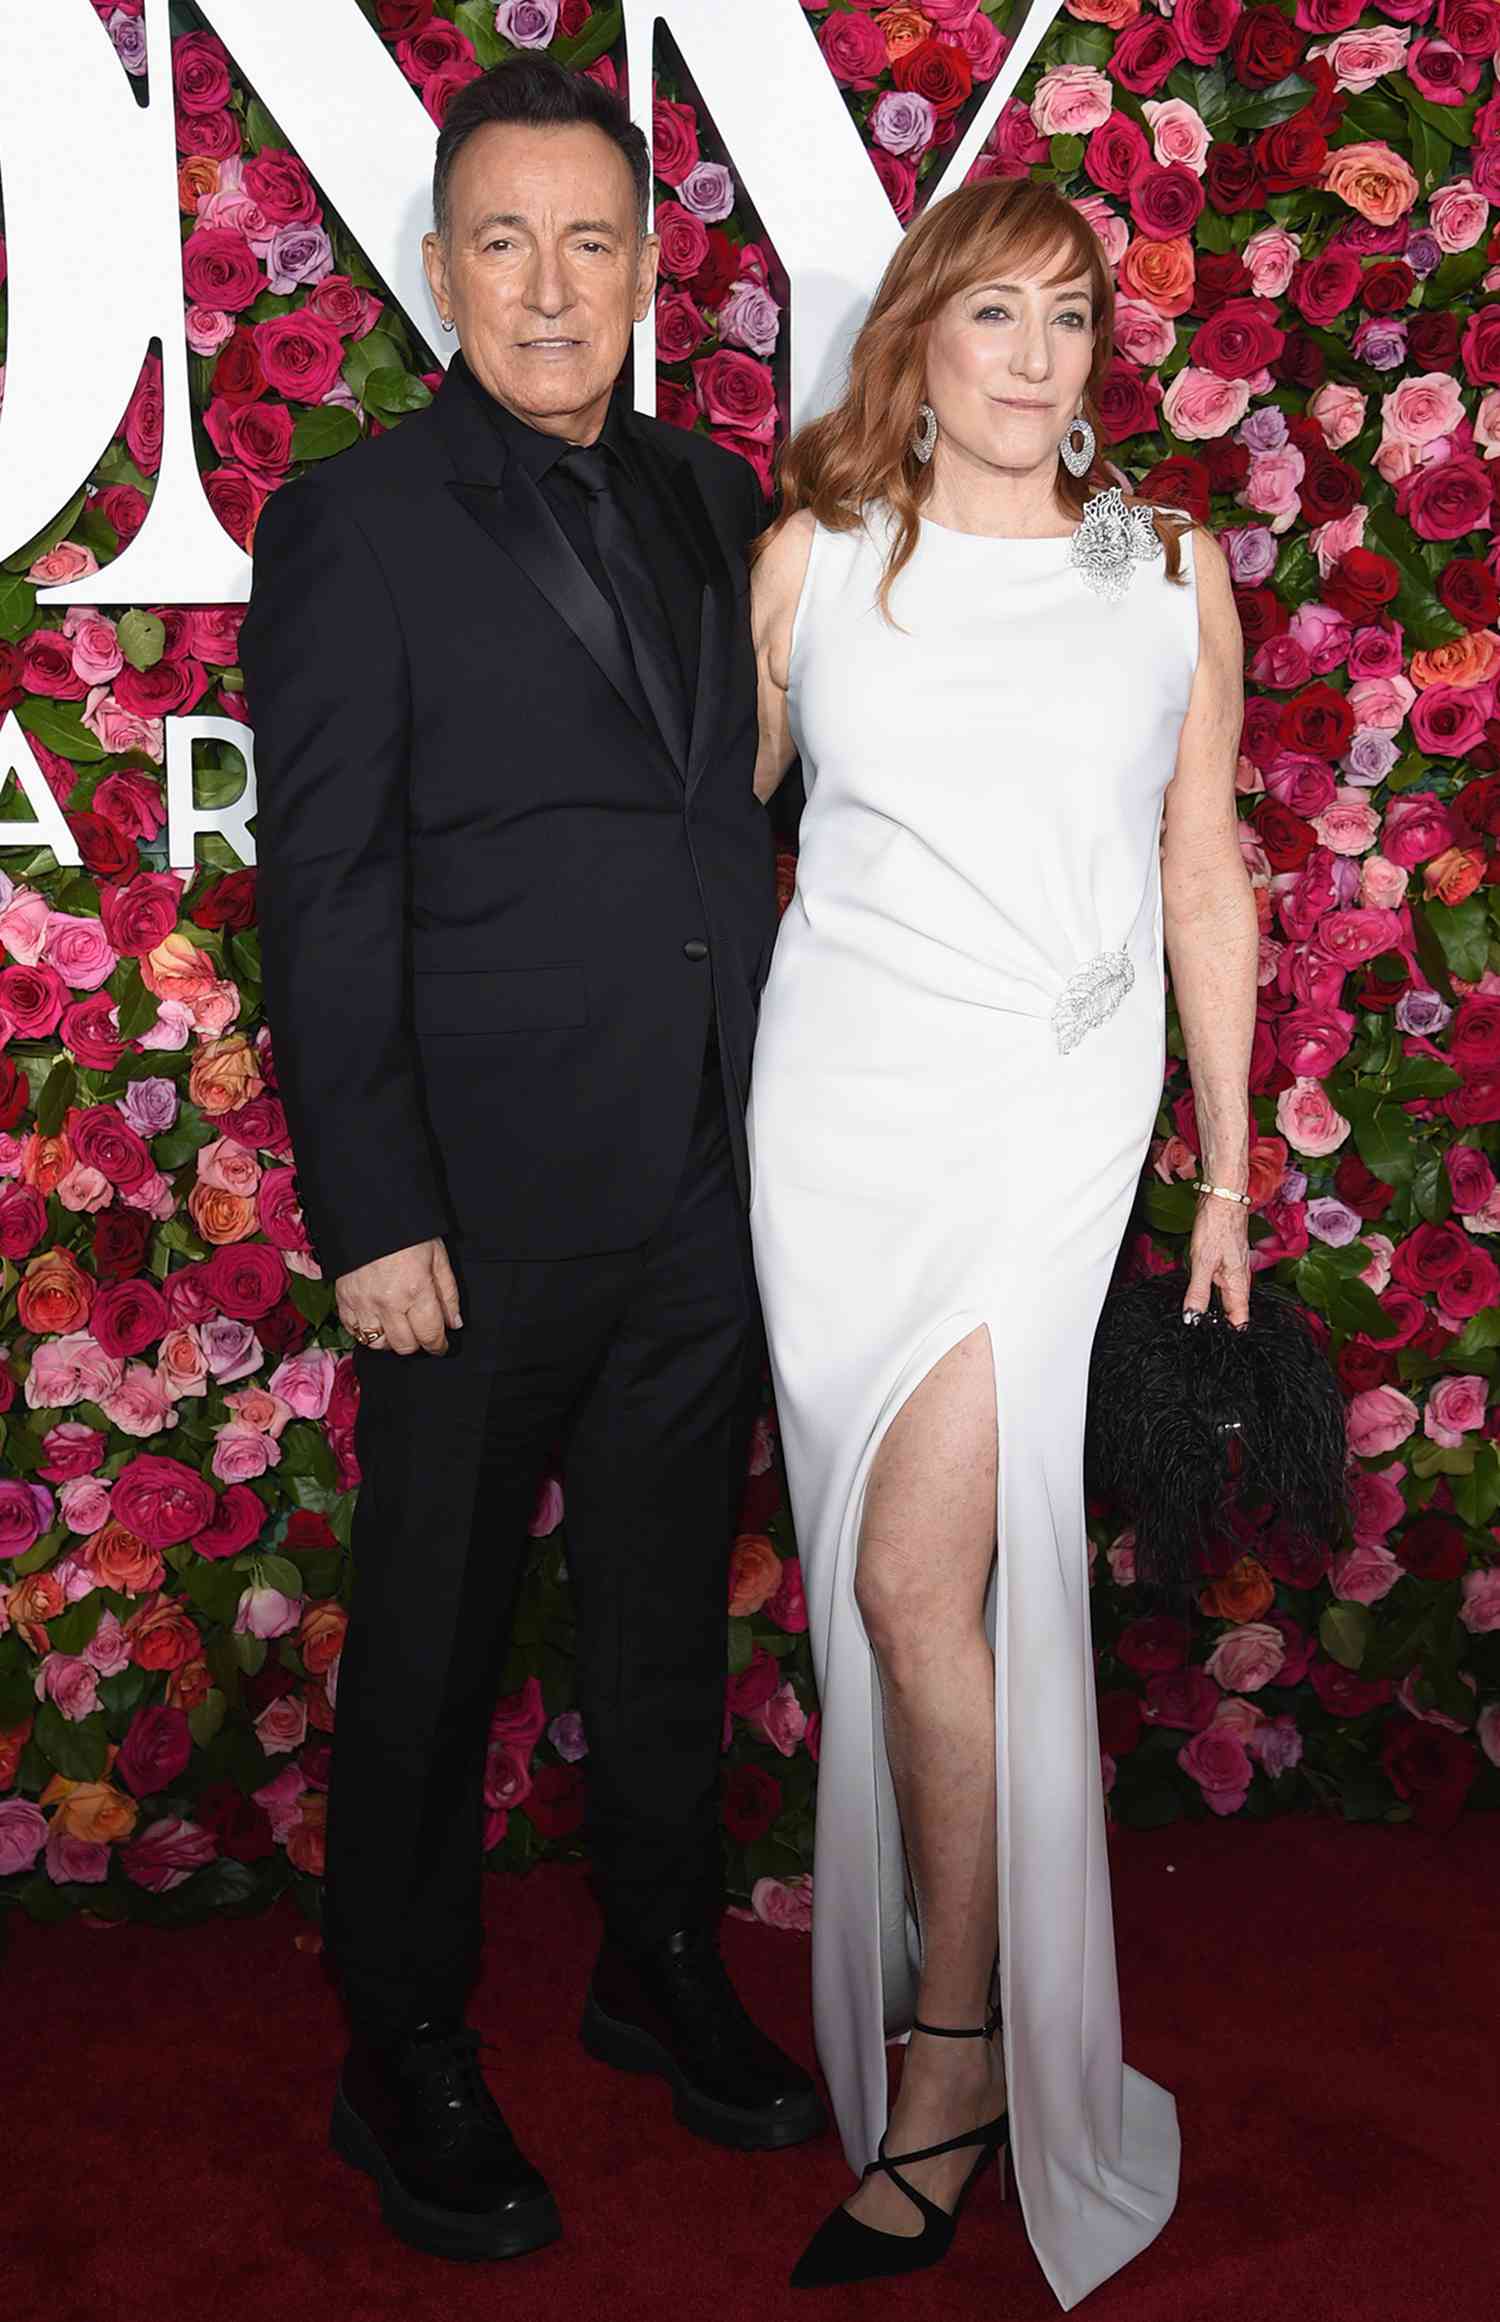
{"type": "Point", "coordinates": [1187, 1420]}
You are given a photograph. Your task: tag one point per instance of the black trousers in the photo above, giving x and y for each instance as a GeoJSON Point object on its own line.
{"type": "Point", "coordinates": [646, 1364]}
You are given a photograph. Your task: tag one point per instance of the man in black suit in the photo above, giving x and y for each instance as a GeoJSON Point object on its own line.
{"type": "Point", "coordinates": [517, 905]}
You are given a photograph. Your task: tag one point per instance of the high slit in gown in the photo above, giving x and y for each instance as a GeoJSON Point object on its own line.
{"type": "Point", "coordinates": [957, 1071]}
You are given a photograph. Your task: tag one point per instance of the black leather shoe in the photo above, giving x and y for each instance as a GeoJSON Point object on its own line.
{"type": "Point", "coordinates": [671, 2009]}
{"type": "Point", "coordinates": [419, 2118]}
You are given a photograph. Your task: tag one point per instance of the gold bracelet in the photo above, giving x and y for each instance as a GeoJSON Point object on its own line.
{"type": "Point", "coordinates": [1224, 1190]}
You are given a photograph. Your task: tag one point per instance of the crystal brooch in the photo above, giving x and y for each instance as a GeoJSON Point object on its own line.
{"type": "Point", "coordinates": [1091, 993]}
{"type": "Point", "coordinates": [1110, 541]}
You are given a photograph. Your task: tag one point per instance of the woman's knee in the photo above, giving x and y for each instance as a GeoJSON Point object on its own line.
{"type": "Point", "coordinates": [908, 1614]}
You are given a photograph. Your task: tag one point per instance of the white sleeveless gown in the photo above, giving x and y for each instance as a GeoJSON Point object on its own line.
{"type": "Point", "coordinates": [984, 797]}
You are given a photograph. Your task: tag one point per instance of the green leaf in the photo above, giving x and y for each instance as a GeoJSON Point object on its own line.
{"type": "Point", "coordinates": [1454, 124]}
{"type": "Point", "coordinates": [1454, 279]}
{"type": "Point", "coordinates": [1353, 1305]}
{"type": "Point", "coordinates": [17, 607]}
{"type": "Point", "coordinates": [1463, 933]}
{"type": "Point", "coordinates": [1422, 1076]}
{"type": "Point", "coordinates": [60, 725]}
{"type": "Point", "coordinates": [1298, 580]}
{"type": "Point", "coordinates": [377, 351]}
{"type": "Point", "coordinates": [215, 1587]}
{"type": "Point", "coordinates": [1088, 44]}
{"type": "Point", "coordinates": [1373, 114]}
{"type": "Point", "coordinates": [78, 1750]}
{"type": "Point", "coordinates": [73, 1629]}
{"type": "Point", "coordinates": [325, 429]}
{"type": "Point", "coordinates": [190, 1133]}
{"type": "Point", "coordinates": [1385, 1141]}
{"type": "Point", "coordinates": [260, 129]}
{"type": "Point", "coordinates": [57, 1095]}
{"type": "Point", "coordinates": [1170, 1209]}
{"type": "Point", "coordinates": [1344, 1633]}
{"type": "Point", "coordinates": [477, 19]}
{"type": "Point", "coordinates": [1431, 1187]}
{"type": "Point", "coordinates": [279, 1572]}
{"type": "Point", "coordinates": [599, 34]}
{"type": "Point", "coordinates": [1266, 107]}
{"type": "Point", "coordinates": [1479, 1334]}
{"type": "Point", "coordinates": [313, 1300]}
{"type": "Point", "coordinates": [1476, 1495]}
{"type": "Point", "coordinates": [206, 1717]}
{"type": "Point", "coordinates": [741, 1645]}
{"type": "Point", "coordinates": [1066, 155]}
{"type": "Point", "coordinates": [142, 638]}
{"type": "Point", "coordinates": [139, 1010]}
{"type": "Point", "coordinates": [1430, 954]}
{"type": "Point", "coordinates": [392, 391]}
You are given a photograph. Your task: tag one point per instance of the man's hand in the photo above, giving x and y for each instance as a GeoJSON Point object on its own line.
{"type": "Point", "coordinates": [410, 1295]}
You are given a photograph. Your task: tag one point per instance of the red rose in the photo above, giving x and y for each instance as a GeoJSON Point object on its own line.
{"type": "Point", "coordinates": [737, 392]}
{"type": "Point", "coordinates": [229, 901]}
{"type": "Point", "coordinates": [119, 1243]}
{"type": "Point", "coordinates": [103, 1139]}
{"type": "Point", "coordinates": [1291, 154]}
{"type": "Point", "coordinates": [15, 1092]}
{"type": "Point", "coordinates": [219, 269]}
{"type": "Point", "coordinates": [1124, 402]}
{"type": "Point", "coordinates": [34, 997]}
{"type": "Point", "coordinates": [1119, 1723]}
{"type": "Point", "coordinates": [236, 498]}
{"type": "Point", "coordinates": [1231, 179]}
{"type": "Point", "coordinates": [554, 1804]}
{"type": "Point", "coordinates": [751, 1803]}
{"type": "Point", "coordinates": [157, 1748]}
{"type": "Point", "coordinates": [1319, 720]}
{"type": "Point", "coordinates": [1287, 839]}
{"type": "Point", "coordinates": [1386, 289]}
{"type": "Point", "coordinates": [1481, 346]}
{"type": "Point", "coordinates": [23, 1219]}
{"type": "Point", "coordinates": [160, 1500]}
{"type": "Point", "coordinates": [128, 1317]}
{"type": "Point", "coordinates": [1324, 286]}
{"type": "Point", "coordinates": [719, 269]}
{"type": "Point", "coordinates": [1144, 54]}
{"type": "Point", "coordinates": [1432, 1767]}
{"type": "Point", "coordinates": [1467, 589]}
{"type": "Point", "coordinates": [307, 1533]}
{"type": "Point", "coordinates": [277, 181]}
{"type": "Point", "coordinates": [1329, 16]}
{"type": "Point", "coordinates": [1432, 341]}
{"type": "Point", "coordinates": [300, 355]}
{"type": "Point", "coordinates": [403, 19]}
{"type": "Point", "coordinates": [1221, 275]}
{"type": "Point", "coordinates": [1445, 501]}
{"type": "Point", "coordinates": [1360, 583]}
{"type": "Point", "coordinates": [1115, 154]}
{"type": "Point", "coordinates": [1329, 487]}
{"type": "Point", "coordinates": [1177, 482]}
{"type": "Point", "coordinates": [1157, 1641]}
{"type": "Point", "coordinates": [138, 916]}
{"type": "Point", "coordinates": [259, 435]}
{"type": "Point", "coordinates": [245, 1279]}
{"type": "Point", "coordinates": [12, 666]}
{"type": "Point", "coordinates": [238, 1518]}
{"type": "Point", "coordinates": [1429, 1255]}
{"type": "Point", "coordinates": [943, 75]}
{"type": "Point", "coordinates": [200, 70]}
{"type": "Point", "coordinates": [161, 691]}
{"type": "Point", "coordinates": [1166, 201]}
{"type": "Point", "coordinates": [1474, 1039]}
{"type": "Point", "coordinates": [239, 1828]}
{"type": "Point", "coordinates": [855, 51]}
{"type": "Point", "coordinates": [1205, 28]}
{"type": "Point", "coordinates": [1262, 615]}
{"type": "Point", "coordinates": [1185, 1698]}
{"type": "Point", "coordinates": [1301, 362]}
{"type": "Point", "coordinates": [1368, 1195]}
{"type": "Point", "coordinates": [1227, 462]}
{"type": "Point", "coordinates": [1240, 338]}
{"type": "Point", "coordinates": [237, 375]}
{"type": "Point", "coordinates": [1343, 1692]}
{"type": "Point", "coordinates": [1360, 1367]}
{"type": "Point", "coordinates": [1266, 48]}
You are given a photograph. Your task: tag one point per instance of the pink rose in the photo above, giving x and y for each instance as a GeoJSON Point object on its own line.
{"type": "Point", "coordinates": [1274, 481]}
{"type": "Point", "coordinates": [96, 646]}
{"type": "Point", "coordinates": [1306, 1118]}
{"type": "Point", "coordinates": [1335, 539]}
{"type": "Point", "coordinates": [70, 1683]}
{"type": "Point", "coordinates": [1455, 1406]}
{"type": "Point", "coordinates": [23, 1834]}
{"type": "Point", "coordinates": [1247, 1657]}
{"type": "Point", "coordinates": [71, 1369]}
{"type": "Point", "coordinates": [1417, 827]}
{"type": "Point", "coordinates": [1363, 1575]}
{"type": "Point", "coordinates": [72, 1449]}
{"type": "Point", "coordinates": [139, 1405]}
{"type": "Point", "coordinates": [167, 1852]}
{"type": "Point", "coordinates": [1070, 100]}
{"type": "Point", "coordinates": [280, 1800]}
{"type": "Point", "coordinates": [84, 1501]}
{"type": "Point", "coordinates": [1177, 134]}
{"type": "Point", "coordinates": [305, 1381]}
{"type": "Point", "coordinates": [1219, 1763]}
{"type": "Point", "coordinates": [783, 1903]}
{"type": "Point", "coordinates": [1270, 258]}
{"type": "Point", "coordinates": [1458, 215]}
{"type": "Point", "coordinates": [782, 1720]}
{"type": "Point", "coordinates": [282, 1725]}
{"type": "Point", "coordinates": [266, 1612]}
{"type": "Point", "coordinates": [181, 1364]}
{"type": "Point", "coordinates": [1141, 334]}
{"type": "Point", "coordinates": [156, 1750]}
{"type": "Point", "coordinates": [1358, 59]}
{"type": "Point", "coordinates": [23, 926]}
{"type": "Point", "coordinates": [1199, 405]}
{"type": "Point", "coordinates": [242, 1452]}
{"type": "Point", "coordinates": [1339, 412]}
{"type": "Point", "coordinates": [1378, 1419]}
{"type": "Point", "coordinates": [1422, 407]}
{"type": "Point", "coordinates": [1480, 1610]}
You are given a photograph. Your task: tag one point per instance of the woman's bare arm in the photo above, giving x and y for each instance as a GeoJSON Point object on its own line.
{"type": "Point", "coordinates": [775, 589]}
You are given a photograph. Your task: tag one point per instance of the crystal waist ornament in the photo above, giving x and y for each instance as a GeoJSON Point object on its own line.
{"type": "Point", "coordinates": [1111, 540]}
{"type": "Point", "coordinates": [1091, 993]}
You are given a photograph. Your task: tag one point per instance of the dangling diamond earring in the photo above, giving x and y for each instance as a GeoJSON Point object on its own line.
{"type": "Point", "coordinates": [1078, 457]}
{"type": "Point", "coordinates": [925, 439]}
{"type": "Point", "coordinates": [447, 323]}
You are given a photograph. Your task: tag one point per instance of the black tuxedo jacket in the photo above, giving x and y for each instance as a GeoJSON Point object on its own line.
{"type": "Point", "coordinates": [496, 914]}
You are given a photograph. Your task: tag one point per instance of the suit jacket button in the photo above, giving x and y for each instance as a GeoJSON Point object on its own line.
{"type": "Point", "coordinates": [695, 948]}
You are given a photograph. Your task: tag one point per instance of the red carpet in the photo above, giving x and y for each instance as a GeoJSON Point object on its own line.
{"type": "Point", "coordinates": [1320, 1997]}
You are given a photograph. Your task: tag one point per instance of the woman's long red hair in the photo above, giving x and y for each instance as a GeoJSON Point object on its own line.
{"type": "Point", "coordinates": [861, 450]}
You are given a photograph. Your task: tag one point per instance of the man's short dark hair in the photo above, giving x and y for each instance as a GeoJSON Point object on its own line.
{"type": "Point", "coordinates": [541, 94]}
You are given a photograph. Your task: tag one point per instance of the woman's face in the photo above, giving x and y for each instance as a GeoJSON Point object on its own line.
{"type": "Point", "coordinates": [1007, 363]}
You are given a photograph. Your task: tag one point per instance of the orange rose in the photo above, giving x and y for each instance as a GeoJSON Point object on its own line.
{"type": "Point", "coordinates": [197, 175]}
{"type": "Point", "coordinates": [162, 1635]}
{"type": "Point", "coordinates": [45, 1161]}
{"type": "Point", "coordinates": [1243, 1593]}
{"type": "Point", "coordinates": [115, 1558]}
{"type": "Point", "coordinates": [305, 1846]}
{"type": "Point", "coordinates": [225, 1074]}
{"type": "Point", "coordinates": [1453, 874]}
{"type": "Point", "coordinates": [221, 1217]}
{"type": "Point", "coordinates": [178, 970]}
{"type": "Point", "coordinates": [55, 1294]}
{"type": "Point", "coordinates": [321, 1636]}
{"type": "Point", "coordinates": [35, 1599]}
{"type": "Point", "coordinates": [1471, 660]}
{"type": "Point", "coordinates": [319, 1708]}
{"type": "Point", "coordinates": [13, 1739]}
{"type": "Point", "coordinates": [1116, 13]}
{"type": "Point", "coordinates": [904, 28]}
{"type": "Point", "coordinates": [754, 1574]}
{"type": "Point", "coordinates": [1267, 1166]}
{"type": "Point", "coordinates": [92, 1810]}
{"type": "Point", "coordinates": [1162, 273]}
{"type": "Point", "coordinates": [189, 1686]}
{"type": "Point", "coordinates": [1373, 180]}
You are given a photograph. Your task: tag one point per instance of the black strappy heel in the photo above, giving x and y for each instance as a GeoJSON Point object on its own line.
{"type": "Point", "coordinates": [845, 2249]}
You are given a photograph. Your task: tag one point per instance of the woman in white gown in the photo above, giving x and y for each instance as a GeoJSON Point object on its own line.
{"type": "Point", "coordinates": [958, 1068]}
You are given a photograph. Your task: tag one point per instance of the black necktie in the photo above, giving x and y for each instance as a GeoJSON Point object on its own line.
{"type": "Point", "coordinates": [651, 643]}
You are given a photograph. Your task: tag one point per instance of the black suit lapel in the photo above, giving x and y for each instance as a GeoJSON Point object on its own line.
{"type": "Point", "coordinates": [707, 671]}
{"type": "Point", "coordinates": [519, 521]}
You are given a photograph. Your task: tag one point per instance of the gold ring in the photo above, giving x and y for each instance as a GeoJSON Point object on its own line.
{"type": "Point", "coordinates": [371, 1335]}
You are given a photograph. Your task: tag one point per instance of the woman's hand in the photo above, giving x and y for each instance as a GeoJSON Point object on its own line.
{"type": "Point", "coordinates": [1219, 1257]}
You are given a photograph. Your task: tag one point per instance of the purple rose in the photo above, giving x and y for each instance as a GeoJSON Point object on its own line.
{"type": "Point", "coordinates": [708, 191]}
{"type": "Point", "coordinates": [1423, 253]}
{"type": "Point", "coordinates": [529, 23]}
{"type": "Point", "coordinates": [298, 254]}
{"type": "Point", "coordinates": [150, 1105]}
{"type": "Point", "coordinates": [751, 318]}
{"type": "Point", "coordinates": [1264, 431]}
{"type": "Point", "coordinates": [129, 36]}
{"type": "Point", "coordinates": [1423, 1014]}
{"type": "Point", "coordinates": [75, 1862]}
{"type": "Point", "coordinates": [231, 1348]}
{"type": "Point", "coordinates": [1370, 756]}
{"type": "Point", "coordinates": [1333, 1221]}
{"type": "Point", "coordinates": [1381, 342]}
{"type": "Point", "coordinates": [1252, 550]}
{"type": "Point", "coordinates": [903, 121]}
{"type": "Point", "coordinates": [567, 1736]}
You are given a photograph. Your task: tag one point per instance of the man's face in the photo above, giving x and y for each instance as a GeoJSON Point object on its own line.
{"type": "Point", "coordinates": [542, 272]}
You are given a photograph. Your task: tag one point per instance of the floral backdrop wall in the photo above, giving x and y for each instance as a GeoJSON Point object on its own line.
{"type": "Point", "coordinates": [1297, 199]}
